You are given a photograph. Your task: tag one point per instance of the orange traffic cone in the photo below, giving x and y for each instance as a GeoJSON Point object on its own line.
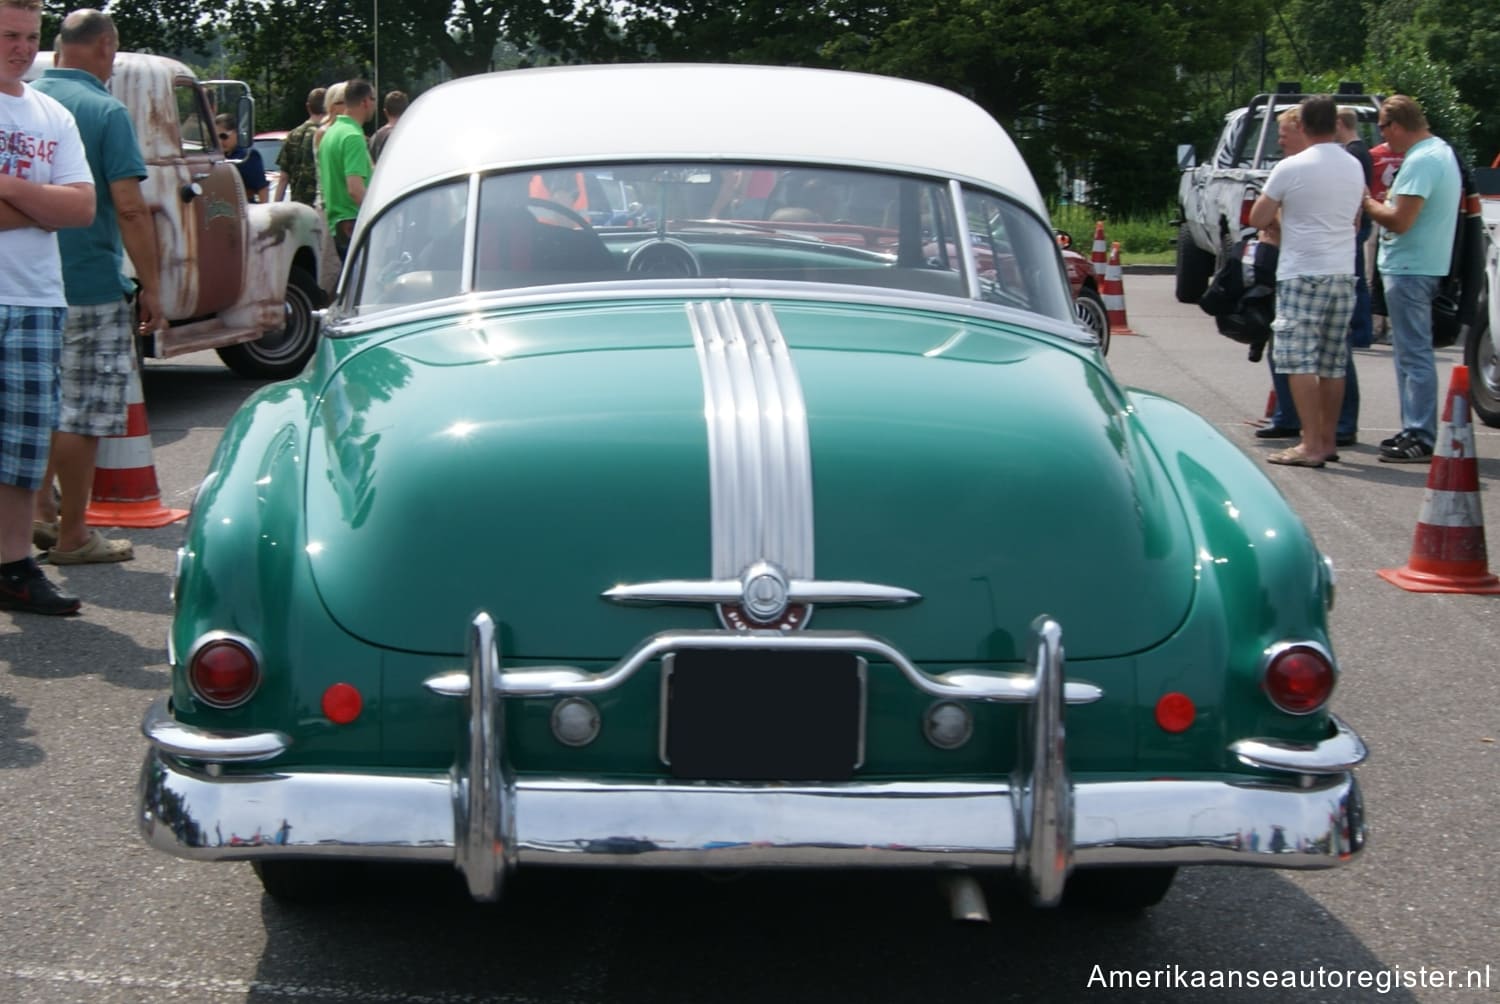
{"type": "Point", "coordinates": [125, 491]}
{"type": "Point", "coordinates": [1100, 255]}
{"type": "Point", "coordinates": [1448, 554]}
{"type": "Point", "coordinates": [1113, 292]}
{"type": "Point", "coordinates": [1270, 410]}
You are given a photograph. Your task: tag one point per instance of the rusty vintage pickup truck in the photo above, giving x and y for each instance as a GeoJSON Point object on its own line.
{"type": "Point", "coordinates": [237, 277]}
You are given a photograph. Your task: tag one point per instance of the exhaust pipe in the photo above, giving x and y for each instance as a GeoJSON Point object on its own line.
{"type": "Point", "coordinates": [966, 900]}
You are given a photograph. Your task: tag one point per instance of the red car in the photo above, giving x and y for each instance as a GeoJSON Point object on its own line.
{"type": "Point", "coordinates": [1088, 302]}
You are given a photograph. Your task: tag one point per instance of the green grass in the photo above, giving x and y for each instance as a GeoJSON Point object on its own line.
{"type": "Point", "coordinates": [1144, 240]}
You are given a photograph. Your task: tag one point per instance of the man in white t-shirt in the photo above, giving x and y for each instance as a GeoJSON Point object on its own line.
{"type": "Point", "coordinates": [45, 186]}
{"type": "Point", "coordinates": [1316, 194]}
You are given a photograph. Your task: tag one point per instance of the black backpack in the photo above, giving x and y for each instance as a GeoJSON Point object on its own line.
{"type": "Point", "coordinates": [1242, 296]}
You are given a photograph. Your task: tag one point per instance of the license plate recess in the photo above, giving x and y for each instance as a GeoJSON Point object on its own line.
{"type": "Point", "coordinates": [763, 715]}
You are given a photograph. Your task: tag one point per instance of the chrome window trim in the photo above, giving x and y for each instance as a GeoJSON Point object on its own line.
{"type": "Point", "coordinates": [471, 239]}
{"type": "Point", "coordinates": [696, 289]}
{"type": "Point", "coordinates": [965, 238]}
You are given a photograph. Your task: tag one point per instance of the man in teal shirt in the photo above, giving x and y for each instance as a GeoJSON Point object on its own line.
{"type": "Point", "coordinates": [344, 166]}
{"type": "Point", "coordinates": [98, 343]}
{"type": "Point", "coordinates": [1416, 249]}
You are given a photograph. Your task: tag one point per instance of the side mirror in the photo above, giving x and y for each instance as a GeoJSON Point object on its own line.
{"type": "Point", "coordinates": [244, 115]}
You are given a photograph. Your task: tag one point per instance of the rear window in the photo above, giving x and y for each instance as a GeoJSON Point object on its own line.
{"type": "Point", "coordinates": [751, 222]}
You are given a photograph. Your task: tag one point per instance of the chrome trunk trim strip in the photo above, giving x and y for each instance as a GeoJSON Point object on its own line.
{"type": "Point", "coordinates": [821, 593]}
{"type": "Point", "coordinates": [760, 464]}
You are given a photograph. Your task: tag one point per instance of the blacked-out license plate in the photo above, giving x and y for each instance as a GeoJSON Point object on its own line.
{"type": "Point", "coordinates": [763, 716]}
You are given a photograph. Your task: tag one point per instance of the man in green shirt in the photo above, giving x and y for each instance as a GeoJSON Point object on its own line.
{"type": "Point", "coordinates": [344, 162]}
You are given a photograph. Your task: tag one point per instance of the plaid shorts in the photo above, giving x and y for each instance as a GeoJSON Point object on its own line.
{"type": "Point", "coordinates": [30, 343]}
{"type": "Point", "coordinates": [97, 351]}
{"type": "Point", "coordinates": [1311, 329]}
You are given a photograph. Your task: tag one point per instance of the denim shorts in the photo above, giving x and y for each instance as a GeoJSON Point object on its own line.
{"type": "Point", "coordinates": [96, 362]}
{"type": "Point", "coordinates": [1310, 331]}
{"type": "Point", "coordinates": [30, 344]}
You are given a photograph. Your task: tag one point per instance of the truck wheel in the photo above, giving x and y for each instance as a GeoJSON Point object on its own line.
{"type": "Point", "coordinates": [1195, 267]}
{"type": "Point", "coordinates": [1484, 366]}
{"type": "Point", "coordinates": [1088, 305]}
{"type": "Point", "coordinates": [282, 353]}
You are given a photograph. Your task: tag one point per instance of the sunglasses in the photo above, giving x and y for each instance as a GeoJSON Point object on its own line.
{"type": "Point", "coordinates": [225, 135]}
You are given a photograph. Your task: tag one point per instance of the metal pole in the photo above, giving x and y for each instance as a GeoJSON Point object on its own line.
{"type": "Point", "coordinates": [375, 69]}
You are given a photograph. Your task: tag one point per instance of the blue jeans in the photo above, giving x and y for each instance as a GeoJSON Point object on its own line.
{"type": "Point", "coordinates": [1409, 300]}
{"type": "Point", "coordinates": [1362, 324]}
{"type": "Point", "coordinates": [1286, 416]}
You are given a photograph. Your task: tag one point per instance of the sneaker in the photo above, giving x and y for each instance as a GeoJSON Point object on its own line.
{"type": "Point", "coordinates": [32, 592]}
{"type": "Point", "coordinates": [1409, 450]}
{"type": "Point", "coordinates": [1395, 440]}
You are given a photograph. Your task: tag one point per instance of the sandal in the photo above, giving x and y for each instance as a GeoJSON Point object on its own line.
{"type": "Point", "coordinates": [1293, 457]}
{"type": "Point", "coordinates": [97, 549]}
{"type": "Point", "coordinates": [44, 534]}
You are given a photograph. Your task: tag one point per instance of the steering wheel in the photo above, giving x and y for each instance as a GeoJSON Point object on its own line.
{"type": "Point", "coordinates": [664, 259]}
{"type": "Point", "coordinates": [572, 216]}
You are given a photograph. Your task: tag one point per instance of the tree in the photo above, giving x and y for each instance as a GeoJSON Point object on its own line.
{"type": "Point", "coordinates": [177, 28]}
{"type": "Point", "coordinates": [1067, 78]}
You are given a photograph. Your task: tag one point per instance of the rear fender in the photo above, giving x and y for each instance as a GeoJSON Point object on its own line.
{"type": "Point", "coordinates": [1258, 569]}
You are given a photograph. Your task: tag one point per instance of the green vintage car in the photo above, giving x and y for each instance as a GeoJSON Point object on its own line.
{"type": "Point", "coordinates": [777, 519]}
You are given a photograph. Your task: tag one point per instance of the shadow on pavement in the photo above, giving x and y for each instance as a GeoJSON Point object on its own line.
{"type": "Point", "coordinates": [621, 938]}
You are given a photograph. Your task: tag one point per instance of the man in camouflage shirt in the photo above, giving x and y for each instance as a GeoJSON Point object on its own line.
{"type": "Point", "coordinates": [296, 162]}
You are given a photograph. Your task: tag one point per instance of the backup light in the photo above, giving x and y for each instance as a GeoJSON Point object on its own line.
{"type": "Point", "coordinates": [1298, 678]}
{"type": "Point", "coordinates": [223, 670]}
{"type": "Point", "coordinates": [948, 725]}
{"type": "Point", "coordinates": [575, 722]}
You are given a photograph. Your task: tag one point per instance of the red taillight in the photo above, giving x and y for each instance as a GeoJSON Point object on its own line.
{"type": "Point", "coordinates": [342, 703]}
{"type": "Point", "coordinates": [1175, 712]}
{"type": "Point", "coordinates": [1299, 679]}
{"type": "Point", "coordinates": [223, 672]}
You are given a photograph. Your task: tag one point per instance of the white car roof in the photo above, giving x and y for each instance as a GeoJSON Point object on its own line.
{"type": "Point", "coordinates": [611, 113]}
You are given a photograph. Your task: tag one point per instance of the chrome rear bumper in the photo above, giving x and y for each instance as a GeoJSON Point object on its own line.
{"type": "Point", "coordinates": [485, 820]}
{"type": "Point", "coordinates": [676, 825]}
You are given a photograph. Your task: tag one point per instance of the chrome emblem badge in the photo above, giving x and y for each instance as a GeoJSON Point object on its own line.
{"type": "Point", "coordinates": [764, 592]}
{"type": "Point", "coordinates": [765, 602]}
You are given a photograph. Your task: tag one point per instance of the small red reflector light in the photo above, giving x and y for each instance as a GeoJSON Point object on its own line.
{"type": "Point", "coordinates": [342, 703]}
{"type": "Point", "coordinates": [223, 673]}
{"type": "Point", "coordinates": [1175, 712]}
{"type": "Point", "coordinates": [1299, 680]}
